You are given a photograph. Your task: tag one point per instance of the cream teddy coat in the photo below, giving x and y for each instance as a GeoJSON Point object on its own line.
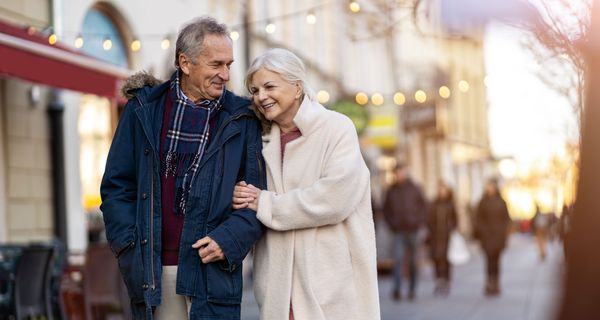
{"type": "Point", "coordinates": [319, 249]}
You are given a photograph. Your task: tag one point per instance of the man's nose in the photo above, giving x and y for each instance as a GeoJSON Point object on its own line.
{"type": "Point", "coordinates": [224, 74]}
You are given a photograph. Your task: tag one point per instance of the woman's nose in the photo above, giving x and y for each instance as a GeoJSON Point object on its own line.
{"type": "Point", "coordinates": [261, 95]}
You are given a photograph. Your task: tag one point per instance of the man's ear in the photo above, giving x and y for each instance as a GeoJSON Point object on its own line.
{"type": "Point", "coordinates": [184, 63]}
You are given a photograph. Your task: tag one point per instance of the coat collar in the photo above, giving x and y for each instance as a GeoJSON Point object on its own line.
{"type": "Point", "coordinates": [310, 117]}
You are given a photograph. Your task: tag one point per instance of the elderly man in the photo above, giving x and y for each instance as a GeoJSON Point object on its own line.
{"type": "Point", "coordinates": [176, 155]}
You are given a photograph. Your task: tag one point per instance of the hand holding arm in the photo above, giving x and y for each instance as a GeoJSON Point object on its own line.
{"type": "Point", "coordinates": [245, 196]}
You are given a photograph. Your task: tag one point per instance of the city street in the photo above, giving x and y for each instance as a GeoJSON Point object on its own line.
{"type": "Point", "coordinates": [530, 289]}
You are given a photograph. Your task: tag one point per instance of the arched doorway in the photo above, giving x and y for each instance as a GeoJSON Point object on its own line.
{"type": "Point", "coordinates": [104, 37]}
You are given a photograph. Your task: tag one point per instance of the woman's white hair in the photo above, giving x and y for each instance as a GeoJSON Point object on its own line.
{"type": "Point", "coordinates": [286, 64]}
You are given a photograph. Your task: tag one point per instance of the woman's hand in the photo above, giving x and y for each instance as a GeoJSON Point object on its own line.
{"type": "Point", "coordinates": [245, 196]}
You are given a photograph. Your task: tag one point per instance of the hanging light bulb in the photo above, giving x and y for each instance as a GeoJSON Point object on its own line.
{"type": "Point", "coordinates": [165, 43]}
{"type": "Point", "coordinates": [399, 98]}
{"type": "Point", "coordinates": [311, 18]}
{"type": "Point", "coordinates": [362, 98]}
{"type": "Point", "coordinates": [444, 92]}
{"type": "Point", "coordinates": [52, 38]}
{"type": "Point", "coordinates": [234, 35]}
{"type": "Point", "coordinates": [79, 41]}
{"type": "Point", "coordinates": [323, 96]}
{"type": "Point", "coordinates": [463, 86]}
{"type": "Point", "coordinates": [354, 6]}
{"type": "Point", "coordinates": [377, 99]}
{"type": "Point", "coordinates": [270, 28]}
{"type": "Point", "coordinates": [420, 96]}
{"type": "Point", "coordinates": [136, 45]}
{"type": "Point", "coordinates": [107, 44]}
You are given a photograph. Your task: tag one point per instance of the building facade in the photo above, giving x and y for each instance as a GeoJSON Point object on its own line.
{"type": "Point", "coordinates": [373, 57]}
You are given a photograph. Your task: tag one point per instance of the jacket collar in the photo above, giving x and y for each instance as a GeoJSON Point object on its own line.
{"type": "Point", "coordinates": [232, 104]}
{"type": "Point", "coordinates": [151, 107]}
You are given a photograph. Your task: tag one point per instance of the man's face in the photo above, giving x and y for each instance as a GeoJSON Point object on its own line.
{"type": "Point", "coordinates": [401, 175]}
{"type": "Point", "coordinates": [205, 76]}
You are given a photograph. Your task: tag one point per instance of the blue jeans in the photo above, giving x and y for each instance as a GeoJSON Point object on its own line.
{"type": "Point", "coordinates": [405, 241]}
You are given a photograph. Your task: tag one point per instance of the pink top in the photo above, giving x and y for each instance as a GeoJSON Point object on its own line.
{"type": "Point", "coordinates": [288, 137]}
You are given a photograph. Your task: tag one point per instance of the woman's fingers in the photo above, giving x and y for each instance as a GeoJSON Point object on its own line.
{"type": "Point", "coordinates": [239, 199]}
{"type": "Point", "coordinates": [240, 206]}
{"type": "Point", "coordinates": [244, 192]}
{"type": "Point", "coordinates": [253, 189]}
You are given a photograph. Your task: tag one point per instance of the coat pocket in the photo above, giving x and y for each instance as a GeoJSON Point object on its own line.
{"type": "Point", "coordinates": [223, 287]}
{"type": "Point", "coordinates": [132, 271]}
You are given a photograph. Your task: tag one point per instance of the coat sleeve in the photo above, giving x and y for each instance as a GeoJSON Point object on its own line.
{"type": "Point", "coordinates": [343, 183]}
{"type": "Point", "coordinates": [238, 233]}
{"type": "Point", "coordinates": [453, 216]}
{"type": "Point", "coordinates": [388, 208]}
{"type": "Point", "coordinates": [119, 187]}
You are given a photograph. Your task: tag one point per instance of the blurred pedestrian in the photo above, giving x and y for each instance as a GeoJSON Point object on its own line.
{"type": "Point", "coordinates": [317, 259]}
{"type": "Point", "coordinates": [564, 227]}
{"type": "Point", "coordinates": [441, 221]}
{"type": "Point", "coordinates": [405, 211]}
{"type": "Point", "coordinates": [541, 228]}
{"type": "Point", "coordinates": [171, 139]}
{"type": "Point", "coordinates": [492, 225]}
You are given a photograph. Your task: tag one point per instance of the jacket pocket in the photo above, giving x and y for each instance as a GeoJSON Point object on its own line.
{"type": "Point", "coordinates": [223, 287]}
{"type": "Point", "coordinates": [132, 271]}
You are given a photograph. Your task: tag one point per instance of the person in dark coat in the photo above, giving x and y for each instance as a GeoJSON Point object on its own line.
{"type": "Point", "coordinates": [405, 211]}
{"type": "Point", "coordinates": [492, 225]}
{"type": "Point", "coordinates": [441, 221]}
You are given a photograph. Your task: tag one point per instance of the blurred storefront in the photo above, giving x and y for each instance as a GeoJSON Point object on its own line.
{"type": "Point", "coordinates": [100, 41]}
{"type": "Point", "coordinates": [39, 78]}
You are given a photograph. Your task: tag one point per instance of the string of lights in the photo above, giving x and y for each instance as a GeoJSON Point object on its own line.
{"type": "Point", "coordinates": [377, 99]}
{"type": "Point", "coordinates": [420, 96]}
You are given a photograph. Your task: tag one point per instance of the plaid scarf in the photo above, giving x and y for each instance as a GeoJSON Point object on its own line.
{"type": "Point", "coordinates": [186, 139]}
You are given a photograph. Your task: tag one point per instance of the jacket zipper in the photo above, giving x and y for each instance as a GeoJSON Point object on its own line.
{"type": "Point", "coordinates": [153, 285]}
{"type": "Point", "coordinates": [151, 213]}
{"type": "Point", "coordinates": [216, 135]}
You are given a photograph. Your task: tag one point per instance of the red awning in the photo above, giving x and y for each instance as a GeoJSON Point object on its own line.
{"type": "Point", "coordinates": [30, 57]}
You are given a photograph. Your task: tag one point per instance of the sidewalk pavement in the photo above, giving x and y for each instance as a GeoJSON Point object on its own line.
{"type": "Point", "coordinates": [530, 289]}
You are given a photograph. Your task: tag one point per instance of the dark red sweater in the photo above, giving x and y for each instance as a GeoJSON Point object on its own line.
{"type": "Point", "coordinates": [172, 224]}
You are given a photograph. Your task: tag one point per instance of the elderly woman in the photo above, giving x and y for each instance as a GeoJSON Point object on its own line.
{"type": "Point", "coordinates": [317, 259]}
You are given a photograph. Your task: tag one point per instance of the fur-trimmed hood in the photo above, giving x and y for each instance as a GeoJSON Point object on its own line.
{"type": "Point", "coordinates": [138, 81]}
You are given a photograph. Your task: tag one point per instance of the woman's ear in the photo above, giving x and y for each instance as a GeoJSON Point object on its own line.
{"type": "Point", "coordinates": [299, 90]}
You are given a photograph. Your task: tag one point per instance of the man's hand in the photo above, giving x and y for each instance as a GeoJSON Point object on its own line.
{"type": "Point", "coordinates": [208, 250]}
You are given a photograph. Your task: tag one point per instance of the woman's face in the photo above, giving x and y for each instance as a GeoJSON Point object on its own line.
{"type": "Point", "coordinates": [277, 99]}
{"type": "Point", "coordinates": [443, 192]}
{"type": "Point", "coordinates": [490, 188]}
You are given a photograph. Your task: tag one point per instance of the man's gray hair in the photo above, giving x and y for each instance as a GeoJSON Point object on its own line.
{"type": "Point", "coordinates": [191, 37]}
{"type": "Point", "coordinates": [286, 64]}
